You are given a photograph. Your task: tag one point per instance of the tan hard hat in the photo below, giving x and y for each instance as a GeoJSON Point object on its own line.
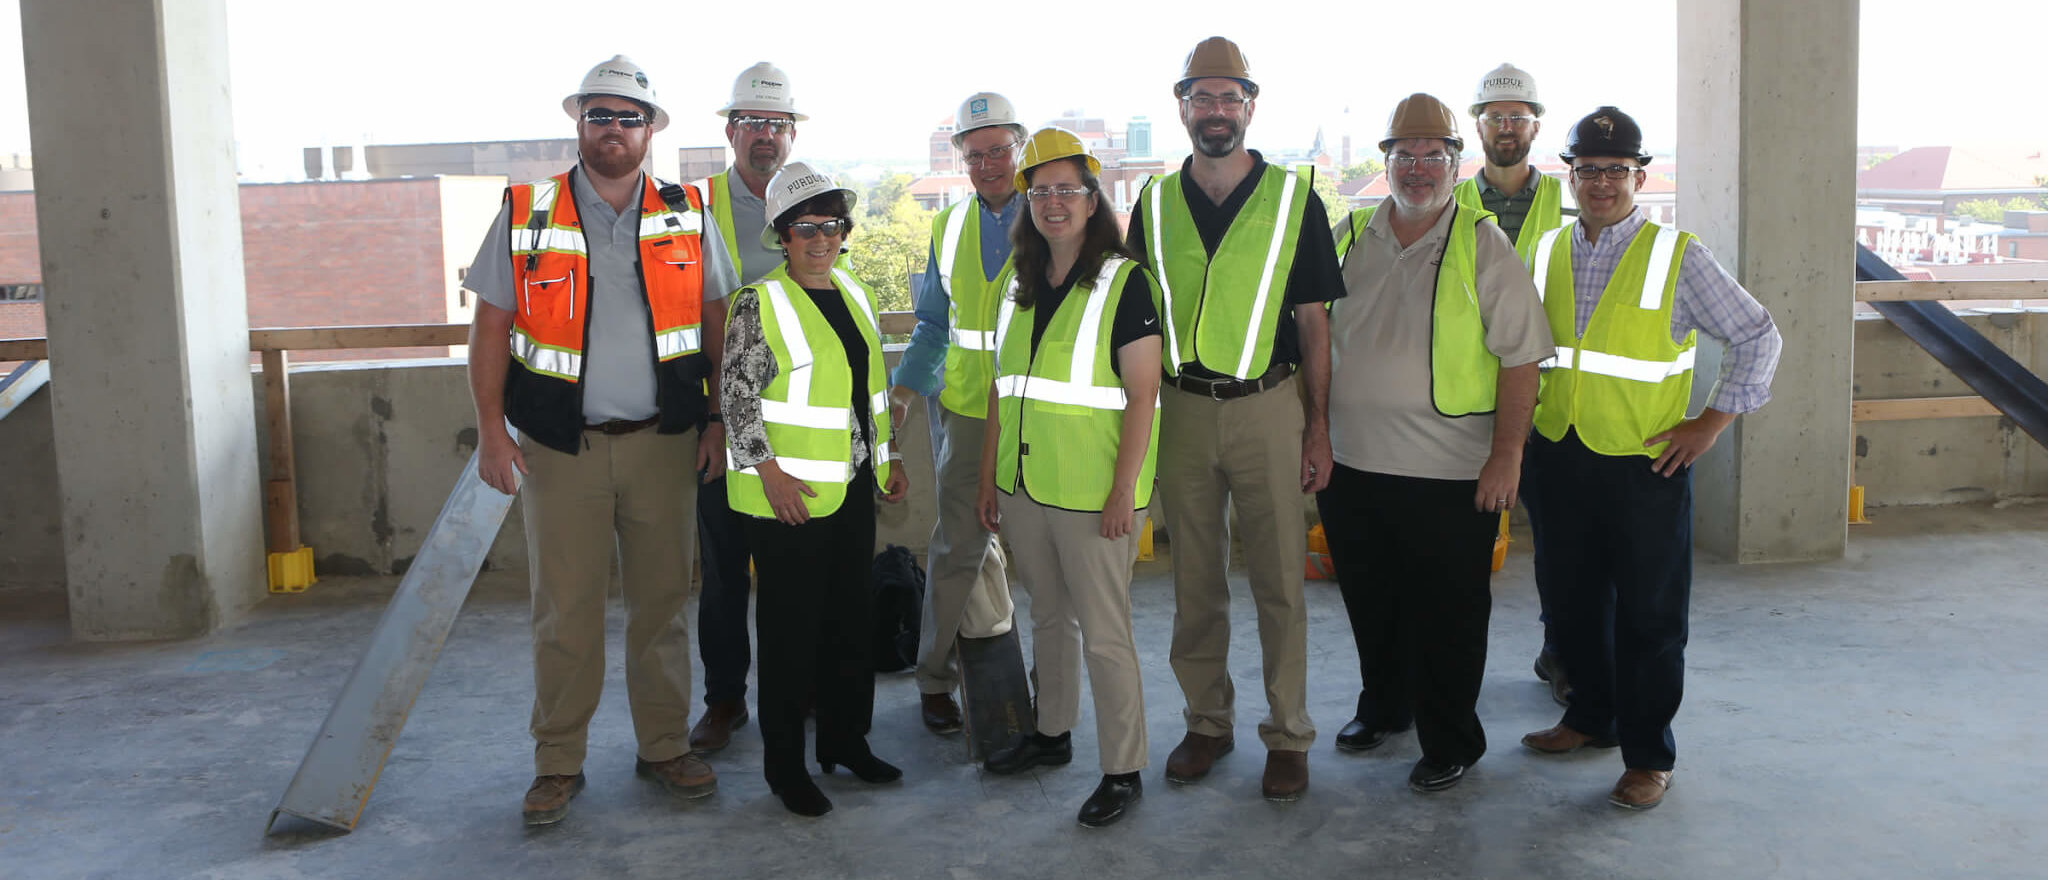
{"type": "Point", "coordinates": [1216, 56]}
{"type": "Point", "coordinates": [1422, 116]}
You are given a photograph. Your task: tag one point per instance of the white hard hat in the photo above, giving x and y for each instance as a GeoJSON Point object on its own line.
{"type": "Point", "coordinates": [619, 77]}
{"type": "Point", "coordinates": [762, 87]}
{"type": "Point", "coordinates": [982, 110]}
{"type": "Point", "coordinates": [1507, 83]}
{"type": "Point", "coordinates": [795, 184]}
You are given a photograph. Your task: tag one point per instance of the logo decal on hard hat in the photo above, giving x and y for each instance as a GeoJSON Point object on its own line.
{"type": "Point", "coordinates": [978, 108]}
{"type": "Point", "coordinates": [1606, 125]}
{"type": "Point", "coordinates": [640, 78]}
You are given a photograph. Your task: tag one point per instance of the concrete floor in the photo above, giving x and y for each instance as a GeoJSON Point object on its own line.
{"type": "Point", "coordinates": [1872, 717]}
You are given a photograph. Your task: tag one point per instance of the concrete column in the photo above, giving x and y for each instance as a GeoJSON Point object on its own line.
{"type": "Point", "coordinates": [1767, 151]}
{"type": "Point", "coordinates": [148, 322]}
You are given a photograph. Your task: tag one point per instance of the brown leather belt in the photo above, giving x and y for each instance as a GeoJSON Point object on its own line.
{"type": "Point", "coordinates": [622, 426]}
{"type": "Point", "coordinates": [1229, 388]}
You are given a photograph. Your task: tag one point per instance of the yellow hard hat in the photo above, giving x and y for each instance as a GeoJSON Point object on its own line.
{"type": "Point", "coordinates": [1422, 116]}
{"type": "Point", "coordinates": [1216, 56]}
{"type": "Point", "coordinates": [1049, 144]}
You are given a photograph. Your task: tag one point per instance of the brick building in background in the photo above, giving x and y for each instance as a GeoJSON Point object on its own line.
{"type": "Point", "coordinates": [321, 253]}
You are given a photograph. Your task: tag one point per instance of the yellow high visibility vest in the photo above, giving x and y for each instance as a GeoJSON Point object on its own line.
{"type": "Point", "coordinates": [1463, 374]}
{"type": "Point", "coordinates": [1222, 311]}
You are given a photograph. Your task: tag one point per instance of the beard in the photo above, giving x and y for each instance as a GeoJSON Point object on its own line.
{"type": "Point", "coordinates": [612, 159]}
{"type": "Point", "coordinates": [1438, 195]}
{"type": "Point", "coordinates": [1508, 157]}
{"type": "Point", "coordinates": [1216, 146]}
{"type": "Point", "coordinates": [764, 162]}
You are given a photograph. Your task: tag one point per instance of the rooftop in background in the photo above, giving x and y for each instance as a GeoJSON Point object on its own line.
{"type": "Point", "coordinates": [1973, 167]}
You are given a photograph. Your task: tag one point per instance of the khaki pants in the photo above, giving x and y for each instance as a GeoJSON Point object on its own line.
{"type": "Point", "coordinates": [1243, 454]}
{"type": "Point", "coordinates": [1081, 602]}
{"type": "Point", "coordinates": [637, 493]}
{"type": "Point", "coordinates": [963, 555]}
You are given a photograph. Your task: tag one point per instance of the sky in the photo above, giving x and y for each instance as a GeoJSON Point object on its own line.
{"type": "Point", "coordinates": [875, 77]}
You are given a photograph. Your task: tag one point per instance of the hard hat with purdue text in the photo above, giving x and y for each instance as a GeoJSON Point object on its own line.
{"type": "Point", "coordinates": [1050, 144]}
{"type": "Point", "coordinates": [762, 87]}
{"type": "Point", "coordinates": [795, 184]}
{"type": "Point", "coordinates": [621, 78]}
{"type": "Point", "coordinates": [1507, 83]}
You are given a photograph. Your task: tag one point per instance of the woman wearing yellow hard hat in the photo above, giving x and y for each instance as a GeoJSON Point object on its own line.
{"type": "Point", "coordinates": [807, 442]}
{"type": "Point", "coordinates": [1068, 470]}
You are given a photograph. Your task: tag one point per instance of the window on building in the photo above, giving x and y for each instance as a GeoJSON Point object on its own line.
{"type": "Point", "coordinates": [28, 292]}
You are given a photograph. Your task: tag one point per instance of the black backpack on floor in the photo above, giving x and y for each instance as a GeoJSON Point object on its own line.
{"type": "Point", "coordinates": [898, 588]}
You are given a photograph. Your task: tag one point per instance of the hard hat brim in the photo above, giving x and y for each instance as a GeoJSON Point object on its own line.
{"type": "Point", "coordinates": [1251, 89]}
{"type": "Point", "coordinates": [569, 106]}
{"type": "Point", "coordinates": [772, 241]}
{"type": "Point", "coordinates": [728, 110]}
{"type": "Point", "coordinates": [1014, 128]}
{"type": "Point", "coordinates": [1569, 155]}
{"type": "Point", "coordinates": [1480, 107]}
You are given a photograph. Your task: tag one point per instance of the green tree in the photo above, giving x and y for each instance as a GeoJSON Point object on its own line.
{"type": "Point", "coordinates": [1361, 169]}
{"type": "Point", "coordinates": [1334, 203]}
{"type": "Point", "coordinates": [890, 241]}
{"type": "Point", "coordinates": [1985, 210]}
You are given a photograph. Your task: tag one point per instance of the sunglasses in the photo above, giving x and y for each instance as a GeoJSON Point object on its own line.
{"type": "Point", "coordinates": [601, 117]}
{"type": "Point", "coordinates": [805, 229]}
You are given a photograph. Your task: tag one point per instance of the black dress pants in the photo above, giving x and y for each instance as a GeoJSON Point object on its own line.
{"type": "Point", "coordinates": [1614, 562]}
{"type": "Point", "coordinates": [1413, 560]}
{"type": "Point", "coordinates": [813, 619]}
{"type": "Point", "coordinates": [722, 639]}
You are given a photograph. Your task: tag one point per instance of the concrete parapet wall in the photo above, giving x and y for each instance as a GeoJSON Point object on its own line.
{"type": "Point", "coordinates": [1944, 461]}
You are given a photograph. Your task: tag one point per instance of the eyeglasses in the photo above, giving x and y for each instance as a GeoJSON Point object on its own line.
{"type": "Point", "coordinates": [1613, 172]}
{"type": "Point", "coordinates": [601, 117]}
{"type": "Point", "coordinates": [1063, 193]}
{"type": "Point", "coordinates": [807, 230]}
{"type": "Point", "coordinates": [1437, 162]}
{"type": "Point", "coordinates": [1205, 103]}
{"type": "Point", "coordinates": [1495, 120]}
{"type": "Point", "coordinates": [759, 124]}
{"type": "Point", "coordinates": [979, 158]}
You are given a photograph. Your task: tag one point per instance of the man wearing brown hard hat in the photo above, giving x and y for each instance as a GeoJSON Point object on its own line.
{"type": "Point", "coordinates": [1432, 381]}
{"type": "Point", "coordinates": [1607, 476]}
{"type": "Point", "coordinates": [1243, 254]}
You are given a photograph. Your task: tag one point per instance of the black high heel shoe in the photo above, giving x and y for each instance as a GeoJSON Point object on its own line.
{"type": "Point", "coordinates": [800, 795]}
{"type": "Point", "coordinates": [867, 768]}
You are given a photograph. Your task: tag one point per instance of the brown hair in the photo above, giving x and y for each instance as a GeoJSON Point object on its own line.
{"type": "Point", "coordinates": [830, 204]}
{"type": "Point", "coordinates": [1030, 253]}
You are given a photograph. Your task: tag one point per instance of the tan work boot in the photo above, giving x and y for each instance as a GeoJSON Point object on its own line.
{"type": "Point", "coordinates": [1640, 789]}
{"type": "Point", "coordinates": [686, 776]}
{"type": "Point", "coordinates": [1197, 752]}
{"type": "Point", "coordinates": [547, 801]}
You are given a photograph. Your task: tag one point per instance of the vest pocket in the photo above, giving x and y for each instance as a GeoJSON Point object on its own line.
{"type": "Point", "coordinates": [549, 300]}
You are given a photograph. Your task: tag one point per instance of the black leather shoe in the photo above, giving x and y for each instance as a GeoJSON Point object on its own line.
{"type": "Point", "coordinates": [1356, 737]}
{"type": "Point", "coordinates": [1430, 776]}
{"type": "Point", "coordinates": [1034, 750]}
{"type": "Point", "coordinates": [1115, 795]}
{"type": "Point", "coordinates": [1550, 669]}
{"type": "Point", "coordinates": [866, 767]}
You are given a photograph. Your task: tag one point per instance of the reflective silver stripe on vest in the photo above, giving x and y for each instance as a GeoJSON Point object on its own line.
{"type": "Point", "coordinates": [653, 225]}
{"type": "Point", "coordinates": [542, 359]}
{"type": "Point", "coordinates": [1165, 289]}
{"type": "Point", "coordinates": [1619, 367]}
{"type": "Point", "coordinates": [1046, 390]}
{"type": "Point", "coordinates": [1079, 388]}
{"type": "Point", "coordinates": [974, 340]}
{"type": "Point", "coordinates": [810, 470]}
{"type": "Point", "coordinates": [679, 341]}
{"type": "Point", "coordinates": [797, 411]}
{"type": "Point", "coordinates": [1251, 335]}
{"type": "Point", "coordinates": [548, 238]}
{"type": "Point", "coordinates": [1660, 269]}
{"type": "Point", "coordinates": [949, 247]}
{"type": "Point", "coordinates": [860, 298]}
{"type": "Point", "coordinates": [1540, 269]}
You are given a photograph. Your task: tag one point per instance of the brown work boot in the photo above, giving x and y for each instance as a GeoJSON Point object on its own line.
{"type": "Point", "coordinates": [1640, 789]}
{"type": "Point", "coordinates": [548, 800]}
{"type": "Point", "coordinates": [1196, 753]}
{"type": "Point", "coordinates": [1286, 775]}
{"type": "Point", "coordinates": [941, 714]}
{"type": "Point", "coordinates": [714, 730]}
{"type": "Point", "coordinates": [1561, 739]}
{"type": "Point", "coordinates": [685, 777]}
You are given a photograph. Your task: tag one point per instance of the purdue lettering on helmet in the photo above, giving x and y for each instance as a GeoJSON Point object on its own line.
{"type": "Point", "coordinates": [795, 184]}
{"type": "Point", "coordinates": [1507, 83]}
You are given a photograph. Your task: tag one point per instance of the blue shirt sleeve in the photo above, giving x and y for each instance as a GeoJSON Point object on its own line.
{"type": "Point", "coordinates": [922, 367]}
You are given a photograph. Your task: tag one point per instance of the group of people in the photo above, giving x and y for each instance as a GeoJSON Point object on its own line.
{"type": "Point", "coordinates": [679, 358]}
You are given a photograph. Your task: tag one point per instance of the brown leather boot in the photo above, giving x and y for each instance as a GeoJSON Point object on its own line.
{"type": "Point", "coordinates": [1640, 789]}
{"type": "Point", "coordinates": [1191, 760]}
{"type": "Point", "coordinates": [1286, 775]}
{"type": "Point", "coordinates": [548, 800]}
{"type": "Point", "coordinates": [941, 714]}
{"type": "Point", "coordinates": [1561, 739]}
{"type": "Point", "coordinates": [714, 730]}
{"type": "Point", "coordinates": [685, 777]}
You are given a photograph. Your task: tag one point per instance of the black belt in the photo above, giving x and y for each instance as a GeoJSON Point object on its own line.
{"type": "Point", "coordinates": [622, 426]}
{"type": "Point", "coordinates": [1230, 388]}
